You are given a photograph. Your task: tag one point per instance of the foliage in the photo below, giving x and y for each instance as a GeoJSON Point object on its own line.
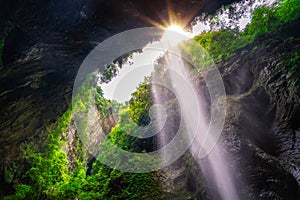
{"type": "Point", "coordinates": [10, 173]}
{"type": "Point", "coordinates": [223, 43]}
{"type": "Point", "coordinates": [140, 103]}
{"type": "Point", "coordinates": [123, 134]}
{"type": "Point", "coordinates": [112, 69]}
{"type": "Point", "coordinates": [83, 102]}
{"type": "Point", "coordinates": [269, 19]}
{"type": "Point", "coordinates": [294, 66]}
{"type": "Point", "coordinates": [122, 185]}
{"type": "Point", "coordinates": [293, 62]}
{"type": "Point", "coordinates": [101, 103]}
{"type": "Point", "coordinates": [49, 177]}
{"type": "Point", "coordinates": [48, 168]}
{"type": "Point", "coordinates": [288, 10]}
{"type": "Point", "coordinates": [109, 72]}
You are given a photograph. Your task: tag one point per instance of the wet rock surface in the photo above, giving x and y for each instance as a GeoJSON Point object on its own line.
{"type": "Point", "coordinates": [98, 127]}
{"type": "Point", "coordinates": [261, 131]}
{"type": "Point", "coordinates": [262, 128]}
{"type": "Point", "coordinates": [50, 40]}
{"type": "Point", "coordinates": [45, 48]}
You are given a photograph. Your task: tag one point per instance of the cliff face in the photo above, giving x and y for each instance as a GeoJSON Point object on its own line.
{"type": "Point", "coordinates": [75, 149]}
{"type": "Point", "coordinates": [41, 56]}
{"type": "Point", "coordinates": [44, 50]}
{"type": "Point", "coordinates": [262, 129]}
{"type": "Point", "coordinates": [261, 132]}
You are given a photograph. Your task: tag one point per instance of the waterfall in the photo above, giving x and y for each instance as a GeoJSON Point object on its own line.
{"type": "Point", "coordinates": [197, 130]}
{"type": "Point", "coordinates": [215, 167]}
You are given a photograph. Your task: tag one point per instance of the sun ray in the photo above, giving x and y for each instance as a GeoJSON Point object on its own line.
{"type": "Point", "coordinates": [170, 12]}
{"type": "Point", "coordinates": [173, 17]}
{"type": "Point", "coordinates": [162, 18]}
{"type": "Point", "coordinates": [151, 21]}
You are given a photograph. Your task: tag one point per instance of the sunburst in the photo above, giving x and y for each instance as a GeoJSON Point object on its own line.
{"type": "Point", "coordinates": [174, 18]}
{"type": "Point", "coordinates": [174, 34]}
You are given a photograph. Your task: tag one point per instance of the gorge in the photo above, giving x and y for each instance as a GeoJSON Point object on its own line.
{"type": "Point", "coordinates": [58, 142]}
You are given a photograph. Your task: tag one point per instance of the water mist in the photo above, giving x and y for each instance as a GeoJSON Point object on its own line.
{"type": "Point", "coordinates": [215, 165]}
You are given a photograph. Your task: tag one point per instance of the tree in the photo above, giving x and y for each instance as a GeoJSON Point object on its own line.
{"type": "Point", "coordinates": [140, 104]}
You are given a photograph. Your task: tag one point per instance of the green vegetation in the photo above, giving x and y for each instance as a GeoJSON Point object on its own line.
{"type": "Point", "coordinates": [82, 103]}
{"type": "Point", "coordinates": [294, 66]}
{"type": "Point", "coordinates": [222, 44]}
{"type": "Point", "coordinates": [49, 175]}
{"type": "Point", "coordinates": [118, 134]}
{"type": "Point", "coordinates": [140, 103]}
{"type": "Point", "coordinates": [294, 62]}
{"type": "Point", "coordinates": [109, 72]}
{"type": "Point", "coordinates": [123, 135]}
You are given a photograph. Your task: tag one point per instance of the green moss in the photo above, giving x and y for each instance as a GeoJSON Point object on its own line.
{"type": "Point", "coordinates": [293, 63]}
{"type": "Point", "coordinates": [293, 66]}
{"type": "Point", "coordinates": [48, 175]}
{"type": "Point", "coordinates": [9, 174]}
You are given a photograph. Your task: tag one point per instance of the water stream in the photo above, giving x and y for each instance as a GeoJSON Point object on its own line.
{"type": "Point", "coordinates": [193, 116]}
{"type": "Point", "coordinates": [196, 126]}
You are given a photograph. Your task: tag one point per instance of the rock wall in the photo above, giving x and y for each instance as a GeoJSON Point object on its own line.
{"type": "Point", "coordinates": [261, 132]}
{"type": "Point", "coordinates": [98, 127]}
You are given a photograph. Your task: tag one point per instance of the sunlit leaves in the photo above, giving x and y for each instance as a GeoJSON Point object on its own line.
{"type": "Point", "coordinates": [49, 176]}
{"type": "Point", "coordinates": [223, 43]}
{"type": "Point", "coordinates": [140, 103]}
{"type": "Point", "coordinates": [288, 10]}
{"type": "Point", "coordinates": [109, 72]}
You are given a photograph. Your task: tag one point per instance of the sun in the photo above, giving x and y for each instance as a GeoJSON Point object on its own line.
{"type": "Point", "coordinates": [174, 34]}
{"type": "Point", "coordinates": [175, 28]}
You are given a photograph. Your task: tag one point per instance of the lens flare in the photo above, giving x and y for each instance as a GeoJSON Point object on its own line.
{"type": "Point", "coordinates": [174, 35]}
{"type": "Point", "coordinates": [176, 28]}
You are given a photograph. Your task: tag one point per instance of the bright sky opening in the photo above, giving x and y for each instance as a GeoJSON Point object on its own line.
{"type": "Point", "coordinates": [131, 75]}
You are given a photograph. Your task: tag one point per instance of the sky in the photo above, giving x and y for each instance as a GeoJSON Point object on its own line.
{"type": "Point", "coordinates": [240, 12]}
{"type": "Point", "coordinates": [141, 64]}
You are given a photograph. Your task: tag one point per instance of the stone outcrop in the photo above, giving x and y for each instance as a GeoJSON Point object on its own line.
{"type": "Point", "coordinates": [261, 131]}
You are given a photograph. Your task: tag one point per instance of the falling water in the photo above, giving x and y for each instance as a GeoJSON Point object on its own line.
{"type": "Point", "coordinates": [193, 115]}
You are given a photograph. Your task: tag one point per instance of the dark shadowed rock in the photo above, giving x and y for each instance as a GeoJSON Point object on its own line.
{"type": "Point", "coordinates": [262, 130]}
{"type": "Point", "coordinates": [49, 41]}
{"type": "Point", "coordinates": [51, 38]}
{"type": "Point", "coordinates": [45, 48]}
